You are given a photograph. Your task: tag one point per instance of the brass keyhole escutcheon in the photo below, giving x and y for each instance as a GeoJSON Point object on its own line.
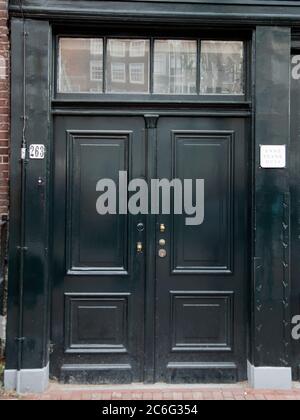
{"type": "Point", "coordinates": [139, 247]}
{"type": "Point", "coordinates": [162, 228]}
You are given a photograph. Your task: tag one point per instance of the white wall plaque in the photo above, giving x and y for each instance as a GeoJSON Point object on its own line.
{"type": "Point", "coordinates": [272, 156]}
{"type": "Point", "coordinates": [37, 151]}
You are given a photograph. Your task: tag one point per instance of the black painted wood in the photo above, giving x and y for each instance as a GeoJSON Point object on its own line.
{"type": "Point", "coordinates": [98, 276]}
{"type": "Point", "coordinates": [196, 305]}
{"type": "Point", "coordinates": [271, 310]}
{"type": "Point", "coordinates": [295, 212]}
{"type": "Point", "coordinates": [75, 295]}
{"type": "Point", "coordinates": [35, 327]}
{"type": "Point", "coordinates": [151, 121]}
{"type": "Point", "coordinates": [201, 316]}
{"type": "Point", "coordinates": [238, 12]}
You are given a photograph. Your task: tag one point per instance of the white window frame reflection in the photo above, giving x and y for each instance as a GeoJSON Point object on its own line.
{"type": "Point", "coordinates": [160, 64]}
{"type": "Point", "coordinates": [96, 71]}
{"type": "Point", "coordinates": [96, 46]}
{"type": "Point", "coordinates": [137, 48]}
{"type": "Point", "coordinates": [117, 48]}
{"type": "Point", "coordinates": [134, 70]}
{"type": "Point", "coordinates": [118, 72]}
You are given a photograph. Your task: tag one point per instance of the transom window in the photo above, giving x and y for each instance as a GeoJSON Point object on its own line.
{"type": "Point", "coordinates": [175, 67]}
{"type": "Point", "coordinates": [151, 66]}
{"type": "Point", "coordinates": [222, 68]}
{"type": "Point", "coordinates": [80, 65]}
{"type": "Point", "coordinates": [128, 66]}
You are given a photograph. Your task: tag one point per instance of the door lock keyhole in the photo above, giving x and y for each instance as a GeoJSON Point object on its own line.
{"type": "Point", "coordinates": [140, 227]}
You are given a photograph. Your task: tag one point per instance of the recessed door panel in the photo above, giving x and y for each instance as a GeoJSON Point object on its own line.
{"type": "Point", "coordinates": [97, 323]}
{"type": "Point", "coordinates": [189, 335]}
{"type": "Point", "coordinates": [206, 247]}
{"type": "Point", "coordinates": [96, 243]}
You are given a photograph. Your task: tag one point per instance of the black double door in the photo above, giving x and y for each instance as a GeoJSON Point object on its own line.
{"type": "Point", "coordinates": [149, 298]}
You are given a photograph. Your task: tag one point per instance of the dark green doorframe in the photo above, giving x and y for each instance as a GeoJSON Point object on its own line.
{"type": "Point", "coordinates": [270, 312]}
{"type": "Point", "coordinates": [271, 242]}
{"type": "Point", "coordinates": [36, 306]}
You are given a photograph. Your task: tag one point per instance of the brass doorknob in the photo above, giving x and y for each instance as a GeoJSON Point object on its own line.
{"type": "Point", "coordinates": [162, 228]}
{"type": "Point", "coordinates": [139, 247]}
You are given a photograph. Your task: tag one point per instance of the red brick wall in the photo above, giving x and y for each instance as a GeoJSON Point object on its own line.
{"type": "Point", "coordinates": [4, 106]}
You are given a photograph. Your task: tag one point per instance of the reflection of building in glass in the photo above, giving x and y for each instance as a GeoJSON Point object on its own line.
{"type": "Point", "coordinates": [128, 66]}
{"type": "Point", "coordinates": [175, 67]}
{"type": "Point", "coordinates": [96, 71]}
{"type": "Point", "coordinates": [96, 46]}
{"type": "Point", "coordinates": [137, 48]}
{"type": "Point", "coordinates": [137, 73]}
{"type": "Point", "coordinates": [81, 65]}
{"type": "Point", "coordinates": [118, 72]}
{"type": "Point", "coordinates": [222, 67]}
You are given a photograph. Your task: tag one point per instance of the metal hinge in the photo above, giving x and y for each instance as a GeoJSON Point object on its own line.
{"type": "Point", "coordinates": [23, 153]}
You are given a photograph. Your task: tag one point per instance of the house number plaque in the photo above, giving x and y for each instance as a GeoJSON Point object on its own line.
{"type": "Point", "coordinates": [272, 156]}
{"type": "Point", "coordinates": [37, 151]}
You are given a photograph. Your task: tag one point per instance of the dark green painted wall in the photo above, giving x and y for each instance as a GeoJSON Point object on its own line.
{"type": "Point", "coordinates": [236, 12]}
{"type": "Point", "coordinates": [271, 286]}
{"type": "Point", "coordinates": [35, 319]}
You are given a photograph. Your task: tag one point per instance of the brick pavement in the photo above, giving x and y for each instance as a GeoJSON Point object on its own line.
{"type": "Point", "coordinates": [160, 393]}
